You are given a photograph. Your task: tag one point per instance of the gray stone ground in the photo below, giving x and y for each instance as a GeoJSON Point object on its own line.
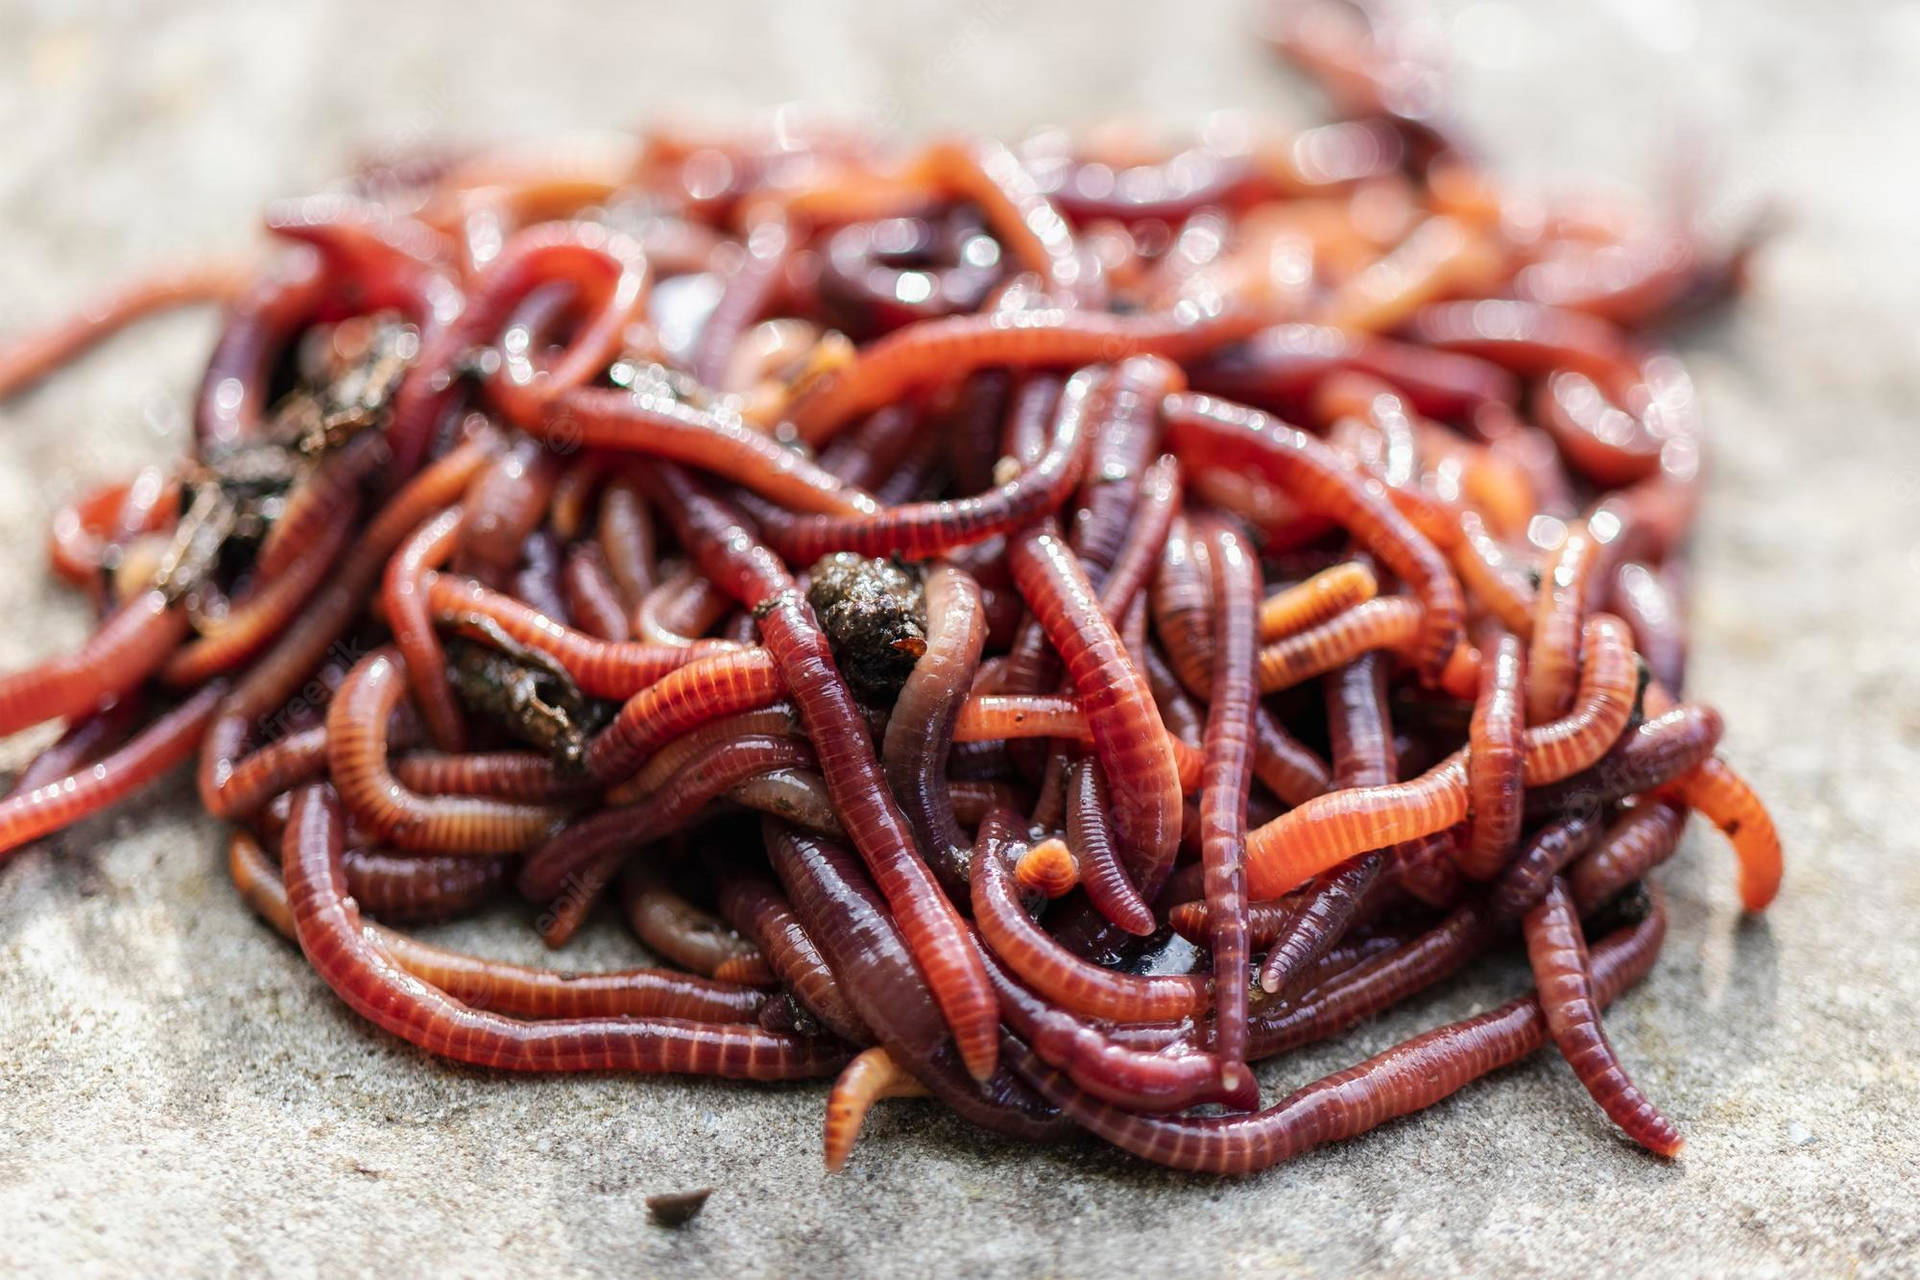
{"type": "Point", "coordinates": [178, 1093]}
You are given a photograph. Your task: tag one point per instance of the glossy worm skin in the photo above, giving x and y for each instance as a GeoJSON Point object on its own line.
{"type": "Point", "coordinates": [1564, 977]}
{"type": "Point", "coordinates": [1403, 1079]}
{"type": "Point", "coordinates": [949, 348]}
{"type": "Point", "coordinates": [1227, 776]}
{"type": "Point", "coordinates": [1056, 973]}
{"type": "Point", "coordinates": [357, 761]}
{"type": "Point", "coordinates": [149, 754]}
{"type": "Point", "coordinates": [919, 737]}
{"type": "Point", "coordinates": [374, 985]}
{"type": "Point", "coordinates": [1214, 433]}
{"type": "Point", "coordinates": [1325, 595]}
{"type": "Point", "coordinates": [129, 646]}
{"type": "Point", "coordinates": [1363, 755]}
{"type": "Point", "coordinates": [852, 555]}
{"type": "Point", "coordinates": [846, 916]}
{"type": "Point", "coordinates": [917, 529]}
{"type": "Point", "coordinates": [752, 903]}
{"type": "Point", "coordinates": [403, 887]}
{"type": "Point", "coordinates": [1637, 841]}
{"type": "Point", "coordinates": [515, 990]}
{"type": "Point", "coordinates": [403, 595]}
{"type": "Point", "coordinates": [1096, 861]}
{"type": "Point", "coordinates": [1129, 739]}
{"type": "Point", "coordinates": [1495, 760]}
{"type": "Point", "coordinates": [871, 1076]}
{"type": "Point", "coordinates": [753, 575]}
{"type": "Point", "coordinates": [22, 363]}
{"type": "Point", "coordinates": [1329, 829]}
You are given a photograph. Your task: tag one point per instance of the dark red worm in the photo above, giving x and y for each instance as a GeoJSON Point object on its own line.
{"type": "Point", "coordinates": [753, 575]}
{"type": "Point", "coordinates": [377, 987]}
{"type": "Point", "coordinates": [599, 422]}
{"type": "Point", "coordinates": [1227, 777]}
{"type": "Point", "coordinates": [1403, 1079]}
{"type": "Point", "coordinates": [1564, 976]}
{"type": "Point", "coordinates": [1363, 756]}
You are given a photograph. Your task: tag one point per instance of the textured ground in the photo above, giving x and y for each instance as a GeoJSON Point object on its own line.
{"type": "Point", "coordinates": [178, 1092]}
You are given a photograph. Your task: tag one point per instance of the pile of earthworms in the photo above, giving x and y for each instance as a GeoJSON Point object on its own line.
{"type": "Point", "coordinates": [1042, 626]}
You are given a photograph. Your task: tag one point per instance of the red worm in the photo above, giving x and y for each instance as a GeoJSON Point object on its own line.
{"type": "Point", "coordinates": [1494, 761]}
{"type": "Point", "coordinates": [627, 540]}
{"type": "Point", "coordinates": [944, 350]}
{"type": "Point", "coordinates": [403, 595]}
{"type": "Point", "coordinates": [357, 750]}
{"type": "Point", "coordinates": [606, 838]}
{"type": "Point", "coordinates": [1137, 1079]}
{"type": "Point", "coordinates": [1090, 841]}
{"type": "Point", "coordinates": [1213, 433]}
{"type": "Point", "coordinates": [1567, 588]}
{"type": "Point", "coordinates": [592, 598]}
{"type": "Point", "coordinates": [920, 733]}
{"type": "Point", "coordinates": [929, 528]}
{"type": "Point", "coordinates": [24, 362]}
{"type": "Point", "coordinates": [1403, 1079]}
{"type": "Point", "coordinates": [704, 690]}
{"type": "Point", "coordinates": [506, 502]}
{"type": "Point", "coordinates": [1363, 755]}
{"type": "Point", "coordinates": [753, 905]}
{"type": "Point", "coordinates": [1564, 976]}
{"type": "Point", "coordinates": [1227, 777]}
{"type": "Point", "coordinates": [601, 669]}
{"type": "Point", "coordinates": [734, 558]}
{"type": "Point", "coordinates": [676, 930]}
{"type": "Point", "coordinates": [374, 985]}
{"type": "Point", "coordinates": [515, 990]}
{"type": "Point", "coordinates": [1638, 840]}
{"type": "Point", "coordinates": [147, 756]}
{"type": "Point", "coordinates": [400, 887]}
{"type": "Point", "coordinates": [1328, 829]}
{"type": "Point", "coordinates": [1059, 975]}
{"type": "Point", "coordinates": [1129, 739]}
{"type": "Point", "coordinates": [136, 639]}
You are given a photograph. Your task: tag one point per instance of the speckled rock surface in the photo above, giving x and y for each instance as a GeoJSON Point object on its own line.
{"type": "Point", "coordinates": [178, 1093]}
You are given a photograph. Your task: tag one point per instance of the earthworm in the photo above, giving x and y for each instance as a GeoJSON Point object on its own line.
{"type": "Point", "coordinates": [373, 983]}
{"type": "Point", "coordinates": [24, 362]}
{"type": "Point", "coordinates": [680, 932]}
{"type": "Point", "coordinates": [1090, 844]}
{"type": "Point", "coordinates": [1363, 756]}
{"type": "Point", "coordinates": [1400, 1080]}
{"type": "Point", "coordinates": [1325, 595]}
{"type": "Point", "coordinates": [871, 1076]}
{"type": "Point", "coordinates": [515, 990]}
{"type": "Point", "coordinates": [1563, 975]}
{"type": "Point", "coordinates": [920, 735]}
{"type": "Point", "coordinates": [147, 756]}
{"type": "Point", "coordinates": [403, 596]}
{"type": "Point", "coordinates": [752, 904]}
{"type": "Point", "coordinates": [1633, 844]}
{"type": "Point", "coordinates": [873, 822]}
{"type": "Point", "coordinates": [1128, 738]}
{"type": "Point", "coordinates": [134, 641]}
{"type": "Point", "coordinates": [357, 761]}
{"type": "Point", "coordinates": [1230, 435]}
{"type": "Point", "coordinates": [1495, 762]}
{"type": "Point", "coordinates": [1227, 777]}
{"type": "Point", "coordinates": [860, 547]}
{"type": "Point", "coordinates": [1056, 973]}
{"type": "Point", "coordinates": [402, 887]}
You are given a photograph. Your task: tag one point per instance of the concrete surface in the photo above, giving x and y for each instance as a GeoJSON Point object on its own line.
{"type": "Point", "coordinates": [178, 1093]}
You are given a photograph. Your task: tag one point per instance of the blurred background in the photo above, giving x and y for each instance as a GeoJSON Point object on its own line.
{"type": "Point", "coordinates": [175, 1084]}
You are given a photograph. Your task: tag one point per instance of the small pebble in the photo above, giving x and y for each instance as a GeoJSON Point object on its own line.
{"type": "Point", "coordinates": [677, 1208]}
